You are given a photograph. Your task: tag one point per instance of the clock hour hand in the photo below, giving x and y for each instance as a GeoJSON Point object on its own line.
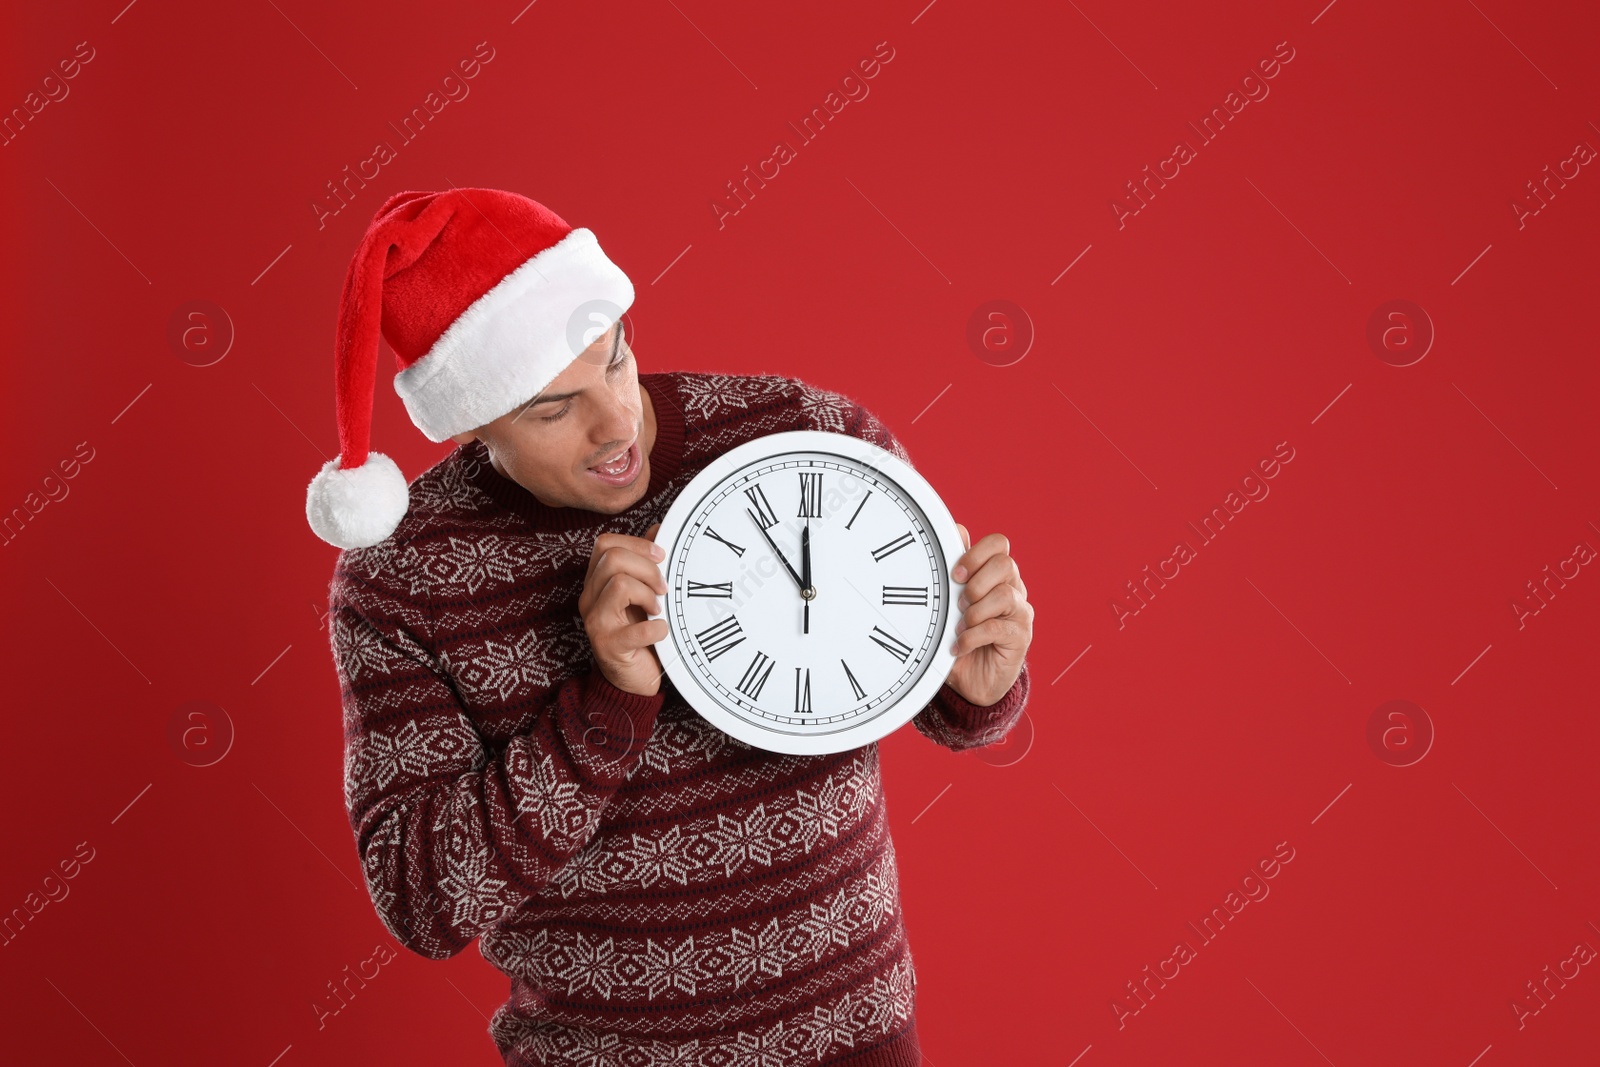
{"type": "Point", "coordinates": [775, 549]}
{"type": "Point", "coordinates": [806, 589]}
{"type": "Point", "coordinates": [805, 555]}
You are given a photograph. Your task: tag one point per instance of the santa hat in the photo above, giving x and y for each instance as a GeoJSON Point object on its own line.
{"type": "Point", "coordinates": [485, 296]}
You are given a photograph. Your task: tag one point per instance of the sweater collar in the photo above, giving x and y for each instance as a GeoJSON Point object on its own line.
{"type": "Point", "coordinates": [665, 458]}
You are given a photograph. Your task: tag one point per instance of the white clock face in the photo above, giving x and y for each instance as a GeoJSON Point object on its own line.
{"type": "Point", "coordinates": [808, 597]}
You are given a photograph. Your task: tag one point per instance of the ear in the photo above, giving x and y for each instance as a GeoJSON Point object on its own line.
{"type": "Point", "coordinates": [463, 437]}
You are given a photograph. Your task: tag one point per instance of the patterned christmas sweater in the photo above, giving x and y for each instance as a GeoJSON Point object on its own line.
{"type": "Point", "coordinates": [656, 891]}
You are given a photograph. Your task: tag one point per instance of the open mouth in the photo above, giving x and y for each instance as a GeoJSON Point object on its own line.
{"type": "Point", "coordinates": [622, 469]}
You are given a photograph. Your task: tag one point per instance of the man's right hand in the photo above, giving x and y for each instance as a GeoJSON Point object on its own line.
{"type": "Point", "coordinates": [623, 586]}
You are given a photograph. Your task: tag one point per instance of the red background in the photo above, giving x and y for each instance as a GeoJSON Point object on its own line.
{"type": "Point", "coordinates": [1229, 315]}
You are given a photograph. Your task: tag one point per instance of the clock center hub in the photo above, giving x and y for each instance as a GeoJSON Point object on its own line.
{"type": "Point", "coordinates": [809, 593]}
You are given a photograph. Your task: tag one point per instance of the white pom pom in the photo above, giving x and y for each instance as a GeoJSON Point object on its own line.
{"type": "Point", "coordinates": [357, 508]}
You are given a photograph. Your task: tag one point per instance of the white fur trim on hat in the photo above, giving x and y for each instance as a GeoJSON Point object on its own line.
{"type": "Point", "coordinates": [513, 340]}
{"type": "Point", "coordinates": [359, 507]}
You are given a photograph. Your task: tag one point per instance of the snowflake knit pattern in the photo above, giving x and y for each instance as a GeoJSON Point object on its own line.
{"type": "Point", "coordinates": [657, 891]}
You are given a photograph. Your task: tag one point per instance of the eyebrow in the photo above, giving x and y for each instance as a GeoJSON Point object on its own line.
{"type": "Point", "coordinates": [547, 398]}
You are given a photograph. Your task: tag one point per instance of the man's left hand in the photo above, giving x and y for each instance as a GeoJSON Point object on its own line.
{"type": "Point", "coordinates": [996, 624]}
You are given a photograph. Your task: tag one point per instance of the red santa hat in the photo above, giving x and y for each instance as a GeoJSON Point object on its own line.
{"type": "Point", "coordinates": [485, 296]}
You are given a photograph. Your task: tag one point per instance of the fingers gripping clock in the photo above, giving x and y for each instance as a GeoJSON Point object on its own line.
{"type": "Point", "coordinates": [810, 605]}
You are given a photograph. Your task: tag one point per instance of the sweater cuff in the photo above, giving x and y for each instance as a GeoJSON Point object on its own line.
{"type": "Point", "coordinates": [618, 723]}
{"type": "Point", "coordinates": [967, 713]}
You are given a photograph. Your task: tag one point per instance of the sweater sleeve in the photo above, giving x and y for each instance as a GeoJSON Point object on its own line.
{"type": "Point", "coordinates": [450, 834]}
{"type": "Point", "coordinates": [949, 718]}
{"type": "Point", "coordinates": [952, 721]}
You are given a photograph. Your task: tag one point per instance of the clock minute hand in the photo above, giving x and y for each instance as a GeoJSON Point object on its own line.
{"type": "Point", "coordinates": [775, 549]}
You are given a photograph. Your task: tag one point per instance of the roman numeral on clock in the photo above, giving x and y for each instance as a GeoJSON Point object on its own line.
{"type": "Point", "coordinates": [720, 636]}
{"type": "Point", "coordinates": [902, 594]}
{"type": "Point", "coordinates": [713, 589]}
{"type": "Point", "coordinates": [892, 644]}
{"type": "Point", "coordinates": [857, 511]}
{"type": "Point", "coordinates": [802, 696]}
{"type": "Point", "coordinates": [754, 677]}
{"type": "Point", "coordinates": [810, 495]}
{"type": "Point", "coordinates": [891, 548]}
{"type": "Point", "coordinates": [855, 685]}
{"type": "Point", "coordinates": [764, 513]}
{"type": "Point", "coordinates": [738, 550]}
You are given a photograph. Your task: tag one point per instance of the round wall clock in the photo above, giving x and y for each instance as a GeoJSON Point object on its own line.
{"type": "Point", "coordinates": [809, 601]}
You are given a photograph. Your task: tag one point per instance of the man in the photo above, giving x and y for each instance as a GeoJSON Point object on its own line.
{"type": "Point", "coordinates": [518, 770]}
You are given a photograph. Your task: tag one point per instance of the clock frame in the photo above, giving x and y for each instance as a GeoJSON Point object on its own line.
{"type": "Point", "coordinates": [735, 594]}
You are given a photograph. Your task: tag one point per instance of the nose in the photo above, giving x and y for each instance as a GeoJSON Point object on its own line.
{"type": "Point", "coordinates": [616, 422]}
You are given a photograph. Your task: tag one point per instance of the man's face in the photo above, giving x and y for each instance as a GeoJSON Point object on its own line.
{"type": "Point", "coordinates": [559, 445]}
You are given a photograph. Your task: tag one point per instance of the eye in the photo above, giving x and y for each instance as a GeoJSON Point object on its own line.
{"type": "Point", "coordinates": [558, 415]}
{"type": "Point", "coordinates": [616, 364]}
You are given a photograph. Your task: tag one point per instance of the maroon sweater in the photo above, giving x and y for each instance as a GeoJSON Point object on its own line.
{"type": "Point", "coordinates": [657, 891]}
